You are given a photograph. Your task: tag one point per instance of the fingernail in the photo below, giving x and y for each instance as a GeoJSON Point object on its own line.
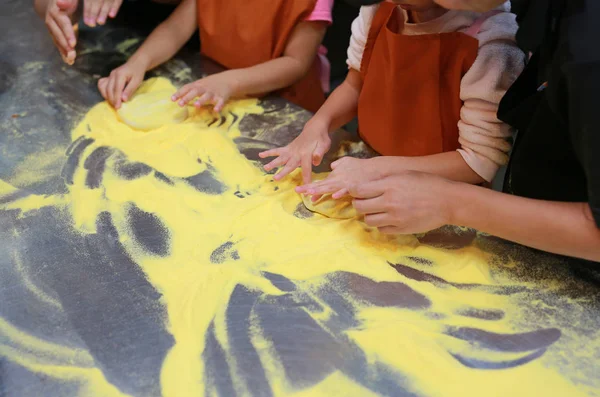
{"type": "Point", "coordinates": [181, 103]}
{"type": "Point", "coordinates": [72, 42]}
{"type": "Point", "coordinates": [101, 21]}
{"type": "Point", "coordinates": [173, 98]}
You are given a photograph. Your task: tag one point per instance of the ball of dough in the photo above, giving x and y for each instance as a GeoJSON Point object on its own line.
{"type": "Point", "coordinates": [326, 206]}
{"type": "Point", "coordinates": [151, 110]}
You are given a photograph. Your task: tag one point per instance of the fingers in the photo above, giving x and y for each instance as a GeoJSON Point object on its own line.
{"type": "Point", "coordinates": [319, 153]}
{"type": "Point", "coordinates": [339, 194]}
{"type": "Point", "coordinates": [102, 85]}
{"type": "Point", "coordinates": [278, 162]}
{"type": "Point", "coordinates": [270, 153]}
{"type": "Point", "coordinates": [103, 13]}
{"type": "Point", "coordinates": [290, 166]}
{"type": "Point", "coordinates": [114, 9]}
{"type": "Point", "coordinates": [58, 35]}
{"type": "Point", "coordinates": [220, 104]}
{"type": "Point", "coordinates": [65, 24]}
{"type": "Point", "coordinates": [306, 166]}
{"type": "Point", "coordinates": [204, 98]}
{"type": "Point", "coordinates": [367, 190]}
{"type": "Point", "coordinates": [130, 88]}
{"type": "Point", "coordinates": [91, 9]}
{"type": "Point", "coordinates": [187, 94]}
{"type": "Point", "coordinates": [110, 88]}
{"type": "Point", "coordinates": [118, 87]}
{"type": "Point", "coordinates": [378, 220]}
{"type": "Point", "coordinates": [315, 198]}
{"type": "Point", "coordinates": [370, 206]}
{"type": "Point", "coordinates": [324, 187]}
{"type": "Point", "coordinates": [390, 230]}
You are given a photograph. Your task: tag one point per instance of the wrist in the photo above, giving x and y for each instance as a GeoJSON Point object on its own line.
{"type": "Point", "coordinates": [460, 202]}
{"type": "Point", "coordinates": [318, 122]}
{"type": "Point", "coordinates": [140, 61]}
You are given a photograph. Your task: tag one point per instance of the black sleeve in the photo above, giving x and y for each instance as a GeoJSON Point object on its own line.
{"type": "Point", "coordinates": [582, 71]}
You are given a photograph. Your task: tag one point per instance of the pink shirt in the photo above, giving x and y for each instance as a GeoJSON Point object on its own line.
{"type": "Point", "coordinates": [322, 13]}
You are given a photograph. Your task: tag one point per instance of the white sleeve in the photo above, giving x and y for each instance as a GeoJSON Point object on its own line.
{"type": "Point", "coordinates": [360, 33]}
{"type": "Point", "coordinates": [484, 138]}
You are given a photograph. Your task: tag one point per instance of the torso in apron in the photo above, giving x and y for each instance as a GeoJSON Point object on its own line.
{"type": "Point", "coordinates": [244, 33]}
{"type": "Point", "coordinates": [410, 100]}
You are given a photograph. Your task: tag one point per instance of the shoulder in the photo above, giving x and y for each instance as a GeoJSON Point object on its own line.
{"type": "Point", "coordinates": [502, 25]}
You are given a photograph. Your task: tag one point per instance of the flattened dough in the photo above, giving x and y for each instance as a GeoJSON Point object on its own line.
{"type": "Point", "coordinates": [151, 110]}
{"type": "Point", "coordinates": [326, 206]}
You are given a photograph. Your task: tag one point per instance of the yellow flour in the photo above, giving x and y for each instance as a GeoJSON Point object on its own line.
{"type": "Point", "coordinates": [258, 221]}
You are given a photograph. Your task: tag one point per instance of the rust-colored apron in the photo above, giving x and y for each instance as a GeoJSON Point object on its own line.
{"type": "Point", "coordinates": [242, 33]}
{"type": "Point", "coordinates": [410, 102]}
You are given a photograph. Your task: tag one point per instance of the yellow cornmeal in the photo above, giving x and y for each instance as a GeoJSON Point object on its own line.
{"type": "Point", "coordinates": [268, 237]}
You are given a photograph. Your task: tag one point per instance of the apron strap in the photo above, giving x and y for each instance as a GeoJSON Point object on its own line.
{"type": "Point", "coordinates": [379, 20]}
{"type": "Point", "coordinates": [474, 30]}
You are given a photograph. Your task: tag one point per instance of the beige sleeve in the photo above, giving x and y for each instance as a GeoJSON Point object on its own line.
{"type": "Point", "coordinates": [483, 138]}
{"type": "Point", "coordinates": [360, 33]}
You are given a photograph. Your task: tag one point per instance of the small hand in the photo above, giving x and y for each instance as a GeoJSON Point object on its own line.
{"type": "Point", "coordinates": [347, 171]}
{"type": "Point", "coordinates": [216, 89]}
{"type": "Point", "coordinates": [472, 5]}
{"type": "Point", "coordinates": [406, 203]}
{"type": "Point", "coordinates": [305, 151]}
{"type": "Point", "coordinates": [59, 22]}
{"type": "Point", "coordinates": [122, 83]}
{"type": "Point", "coordinates": [96, 11]}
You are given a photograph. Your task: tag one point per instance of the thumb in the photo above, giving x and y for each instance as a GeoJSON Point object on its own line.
{"type": "Point", "coordinates": [319, 153]}
{"type": "Point", "coordinates": [130, 88]}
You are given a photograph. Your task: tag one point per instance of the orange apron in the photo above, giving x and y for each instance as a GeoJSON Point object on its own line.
{"type": "Point", "coordinates": [410, 102]}
{"type": "Point", "coordinates": [242, 33]}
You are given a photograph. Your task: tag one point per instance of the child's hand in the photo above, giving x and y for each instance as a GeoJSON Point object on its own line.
{"type": "Point", "coordinates": [215, 89]}
{"type": "Point", "coordinates": [305, 151]}
{"type": "Point", "coordinates": [96, 11]}
{"type": "Point", "coordinates": [122, 83]}
{"type": "Point", "coordinates": [59, 23]}
{"type": "Point", "coordinates": [347, 172]}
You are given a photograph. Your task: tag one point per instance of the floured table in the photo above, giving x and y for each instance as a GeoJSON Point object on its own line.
{"type": "Point", "coordinates": [166, 262]}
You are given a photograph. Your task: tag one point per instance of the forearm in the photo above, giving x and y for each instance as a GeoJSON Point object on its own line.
{"type": "Point", "coordinates": [266, 77]}
{"type": "Point", "coordinates": [162, 44]}
{"type": "Point", "coordinates": [168, 38]}
{"type": "Point", "coordinates": [450, 165]}
{"type": "Point", "coordinates": [342, 105]}
{"type": "Point", "coordinates": [557, 227]}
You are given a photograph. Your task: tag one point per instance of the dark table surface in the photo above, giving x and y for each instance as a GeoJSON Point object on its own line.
{"type": "Point", "coordinates": [54, 299]}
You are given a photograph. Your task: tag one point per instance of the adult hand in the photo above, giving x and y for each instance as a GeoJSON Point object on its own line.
{"type": "Point", "coordinates": [96, 11]}
{"type": "Point", "coordinates": [472, 5]}
{"type": "Point", "coordinates": [347, 172]}
{"type": "Point", "coordinates": [406, 203]}
{"type": "Point", "coordinates": [305, 151]}
{"type": "Point", "coordinates": [122, 83]}
{"type": "Point", "coordinates": [216, 89]}
{"type": "Point", "coordinates": [58, 19]}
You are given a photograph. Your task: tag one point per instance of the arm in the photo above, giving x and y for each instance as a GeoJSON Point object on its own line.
{"type": "Point", "coordinates": [159, 47]}
{"type": "Point", "coordinates": [557, 227]}
{"type": "Point", "coordinates": [296, 61]}
{"type": "Point", "coordinates": [484, 139]}
{"type": "Point", "coordinates": [313, 143]}
{"type": "Point", "coordinates": [342, 105]}
{"type": "Point", "coordinates": [450, 165]}
{"type": "Point", "coordinates": [293, 65]}
{"type": "Point", "coordinates": [168, 37]}
{"type": "Point", "coordinates": [414, 202]}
